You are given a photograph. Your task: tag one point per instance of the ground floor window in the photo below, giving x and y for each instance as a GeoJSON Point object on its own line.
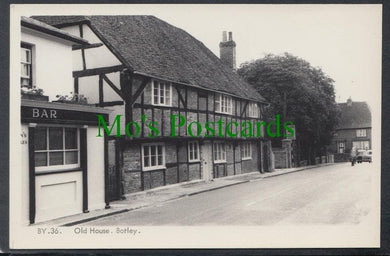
{"type": "Point", "coordinates": [246, 150]}
{"type": "Point", "coordinates": [364, 144]}
{"type": "Point", "coordinates": [193, 151]}
{"type": "Point", "coordinates": [56, 147]}
{"type": "Point", "coordinates": [219, 152]}
{"type": "Point", "coordinates": [153, 156]}
{"type": "Point", "coordinates": [341, 147]}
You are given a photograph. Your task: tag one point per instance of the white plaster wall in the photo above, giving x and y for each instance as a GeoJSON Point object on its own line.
{"type": "Point", "coordinates": [25, 177]}
{"type": "Point", "coordinates": [95, 169]}
{"type": "Point", "coordinates": [94, 58]}
{"type": "Point", "coordinates": [52, 63]}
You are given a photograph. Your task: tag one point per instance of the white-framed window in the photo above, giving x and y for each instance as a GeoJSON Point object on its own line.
{"type": "Point", "coordinates": [161, 93]}
{"type": "Point", "coordinates": [253, 109]}
{"type": "Point", "coordinates": [246, 150]}
{"type": "Point", "coordinates": [223, 104]}
{"type": "Point", "coordinates": [26, 66]}
{"type": "Point", "coordinates": [56, 148]}
{"type": "Point", "coordinates": [361, 133]}
{"type": "Point", "coordinates": [219, 152]}
{"type": "Point", "coordinates": [363, 144]}
{"type": "Point", "coordinates": [153, 156]}
{"type": "Point", "coordinates": [340, 147]}
{"type": "Point", "coordinates": [193, 151]}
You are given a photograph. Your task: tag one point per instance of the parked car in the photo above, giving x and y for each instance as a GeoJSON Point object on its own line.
{"type": "Point", "coordinates": [364, 156]}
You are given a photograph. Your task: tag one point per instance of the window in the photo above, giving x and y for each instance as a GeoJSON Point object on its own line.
{"type": "Point", "coordinates": [56, 147]}
{"type": "Point", "coordinates": [253, 109]}
{"type": "Point", "coordinates": [340, 147]}
{"type": "Point", "coordinates": [223, 104]}
{"type": "Point", "coordinates": [193, 151]}
{"type": "Point", "coordinates": [161, 93]}
{"type": "Point", "coordinates": [361, 133]}
{"type": "Point", "coordinates": [219, 152]}
{"type": "Point", "coordinates": [153, 156]}
{"type": "Point", "coordinates": [26, 66]}
{"type": "Point", "coordinates": [246, 150]}
{"type": "Point", "coordinates": [364, 144]}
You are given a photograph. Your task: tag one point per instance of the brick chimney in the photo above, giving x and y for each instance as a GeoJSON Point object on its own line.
{"type": "Point", "coordinates": [227, 50]}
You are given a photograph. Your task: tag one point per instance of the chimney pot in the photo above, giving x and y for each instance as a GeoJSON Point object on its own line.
{"type": "Point", "coordinates": [224, 36]}
{"type": "Point", "coordinates": [230, 36]}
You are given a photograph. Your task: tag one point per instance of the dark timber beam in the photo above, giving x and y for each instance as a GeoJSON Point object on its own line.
{"type": "Point", "coordinates": [83, 47]}
{"type": "Point", "coordinates": [110, 103]}
{"type": "Point", "coordinates": [134, 97]}
{"type": "Point", "coordinates": [101, 97]}
{"type": "Point", "coordinates": [98, 71]}
{"type": "Point", "coordinates": [181, 98]}
{"type": "Point", "coordinates": [112, 85]}
{"type": "Point", "coordinates": [243, 111]}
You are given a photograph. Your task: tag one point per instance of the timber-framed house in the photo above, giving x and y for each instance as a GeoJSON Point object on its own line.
{"type": "Point", "coordinates": [147, 70]}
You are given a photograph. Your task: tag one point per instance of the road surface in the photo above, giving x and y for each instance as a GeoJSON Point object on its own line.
{"type": "Point", "coordinates": [336, 194]}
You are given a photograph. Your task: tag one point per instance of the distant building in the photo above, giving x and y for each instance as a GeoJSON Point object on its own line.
{"type": "Point", "coordinates": [354, 129]}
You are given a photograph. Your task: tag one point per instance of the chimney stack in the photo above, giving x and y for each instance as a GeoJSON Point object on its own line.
{"type": "Point", "coordinates": [227, 50]}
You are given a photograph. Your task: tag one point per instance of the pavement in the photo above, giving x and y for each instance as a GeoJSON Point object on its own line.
{"type": "Point", "coordinates": [167, 193]}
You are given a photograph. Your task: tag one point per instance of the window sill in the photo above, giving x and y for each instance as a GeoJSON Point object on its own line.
{"type": "Point", "coordinates": [161, 105]}
{"type": "Point", "coordinates": [45, 172]}
{"type": "Point", "coordinates": [246, 158]}
{"type": "Point", "coordinates": [223, 113]}
{"type": "Point", "coordinates": [157, 168]}
{"type": "Point", "coordinates": [194, 161]}
{"type": "Point", "coordinates": [220, 162]}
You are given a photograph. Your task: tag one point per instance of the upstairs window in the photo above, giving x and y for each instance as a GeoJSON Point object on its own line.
{"type": "Point", "coordinates": [219, 152]}
{"type": "Point", "coordinates": [193, 151]}
{"type": "Point", "coordinates": [161, 93]}
{"type": "Point", "coordinates": [246, 150]}
{"type": "Point", "coordinates": [361, 133]}
{"type": "Point", "coordinates": [26, 66]}
{"type": "Point", "coordinates": [223, 104]}
{"type": "Point", "coordinates": [253, 110]}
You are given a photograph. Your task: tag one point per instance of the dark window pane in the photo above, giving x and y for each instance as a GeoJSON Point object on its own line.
{"type": "Point", "coordinates": [153, 150]}
{"type": "Point", "coordinates": [160, 160]}
{"type": "Point", "coordinates": [55, 138]}
{"type": "Point", "coordinates": [146, 161]}
{"type": "Point", "coordinates": [70, 138]}
{"type": "Point", "coordinates": [71, 157]}
{"type": "Point", "coordinates": [40, 139]}
{"type": "Point", "coordinates": [153, 161]}
{"type": "Point", "coordinates": [56, 158]}
{"type": "Point", "coordinates": [41, 159]}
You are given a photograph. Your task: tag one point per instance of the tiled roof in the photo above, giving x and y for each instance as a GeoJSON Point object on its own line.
{"type": "Point", "coordinates": [355, 115]}
{"type": "Point", "coordinates": [150, 46]}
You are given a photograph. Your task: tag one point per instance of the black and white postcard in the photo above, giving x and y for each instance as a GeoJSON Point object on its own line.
{"type": "Point", "coordinates": [195, 126]}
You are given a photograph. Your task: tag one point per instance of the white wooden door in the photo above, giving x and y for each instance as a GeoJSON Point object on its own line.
{"type": "Point", "coordinates": [207, 161]}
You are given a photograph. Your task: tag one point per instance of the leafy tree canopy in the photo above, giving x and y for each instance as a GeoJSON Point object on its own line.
{"type": "Point", "coordinates": [310, 97]}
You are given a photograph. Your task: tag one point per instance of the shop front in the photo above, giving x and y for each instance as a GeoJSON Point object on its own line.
{"type": "Point", "coordinates": [64, 163]}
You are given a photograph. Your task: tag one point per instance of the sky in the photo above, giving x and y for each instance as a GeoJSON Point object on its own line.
{"type": "Point", "coordinates": [343, 40]}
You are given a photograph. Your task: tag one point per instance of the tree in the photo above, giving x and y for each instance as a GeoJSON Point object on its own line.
{"type": "Point", "coordinates": [307, 92]}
